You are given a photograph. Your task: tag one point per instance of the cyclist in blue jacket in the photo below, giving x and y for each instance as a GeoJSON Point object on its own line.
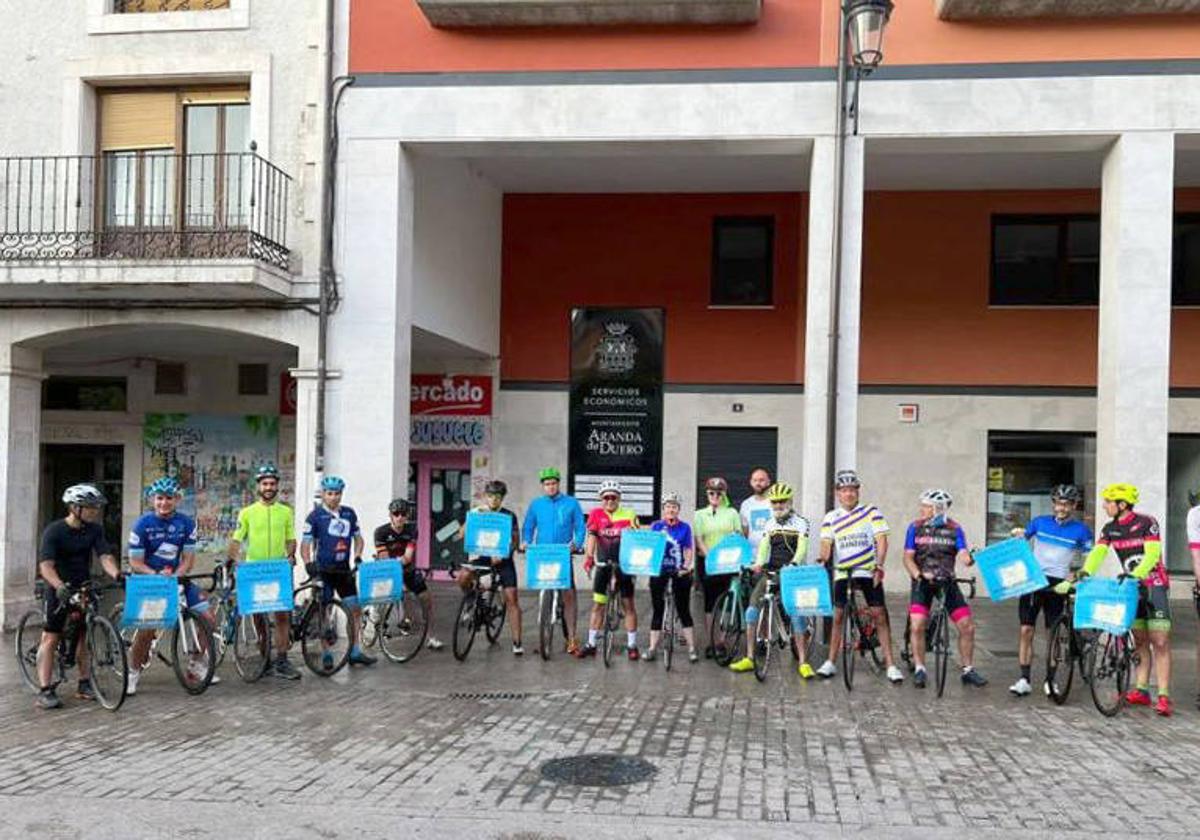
{"type": "Point", "coordinates": [555, 518]}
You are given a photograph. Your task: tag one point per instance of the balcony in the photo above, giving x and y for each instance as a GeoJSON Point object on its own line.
{"type": "Point", "coordinates": [1001, 9]}
{"type": "Point", "coordinates": [204, 225]}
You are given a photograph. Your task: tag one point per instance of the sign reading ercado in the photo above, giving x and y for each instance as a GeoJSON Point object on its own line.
{"type": "Point", "coordinates": [616, 404]}
{"type": "Point", "coordinates": [450, 412]}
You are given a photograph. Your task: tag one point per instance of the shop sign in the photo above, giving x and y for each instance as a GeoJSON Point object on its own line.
{"type": "Point", "coordinates": [461, 396]}
{"type": "Point", "coordinates": [616, 402]}
{"type": "Point", "coordinates": [449, 433]}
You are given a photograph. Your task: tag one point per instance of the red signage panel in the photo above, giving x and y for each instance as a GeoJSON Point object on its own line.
{"type": "Point", "coordinates": [454, 395]}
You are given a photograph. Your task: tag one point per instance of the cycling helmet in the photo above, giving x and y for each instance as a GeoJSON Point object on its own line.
{"type": "Point", "coordinates": [550, 474]}
{"type": "Point", "coordinates": [1067, 493]}
{"type": "Point", "coordinates": [495, 488]}
{"type": "Point", "coordinates": [165, 486]}
{"type": "Point", "coordinates": [267, 470]}
{"type": "Point", "coordinates": [609, 485]}
{"type": "Point", "coordinates": [846, 478]}
{"type": "Point", "coordinates": [780, 492]}
{"type": "Point", "coordinates": [1120, 493]}
{"type": "Point", "coordinates": [400, 506]}
{"type": "Point", "coordinates": [84, 495]}
{"type": "Point", "coordinates": [717, 483]}
{"type": "Point", "coordinates": [1194, 497]}
{"type": "Point", "coordinates": [940, 499]}
{"type": "Point", "coordinates": [672, 498]}
{"type": "Point", "coordinates": [330, 482]}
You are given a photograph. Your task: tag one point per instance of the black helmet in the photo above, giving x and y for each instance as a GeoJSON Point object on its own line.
{"type": "Point", "coordinates": [495, 487]}
{"type": "Point", "coordinates": [400, 506]}
{"type": "Point", "coordinates": [1067, 493]}
{"type": "Point", "coordinates": [267, 470]}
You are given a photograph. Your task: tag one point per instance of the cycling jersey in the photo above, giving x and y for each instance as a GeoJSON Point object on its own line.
{"type": "Point", "coordinates": [607, 528]}
{"type": "Point", "coordinates": [265, 530]}
{"type": "Point", "coordinates": [784, 542]}
{"type": "Point", "coordinates": [1056, 544]}
{"type": "Point", "coordinates": [161, 542]}
{"type": "Point", "coordinates": [714, 524]}
{"type": "Point", "coordinates": [554, 520]}
{"type": "Point", "coordinates": [71, 549]}
{"type": "Point", "coordinates": [679, 537]}
{"type": "Point", "coordinates": [395, 543]}
{"type": "Point", "coordinates": [1134, 537]}
{"type": "Point", "coordinates": [333, 531]}
{"type": "Point", "coordinates": [935, 546]}
{"type": "Point", "coordinates": [852, 534]}
{"type": "Point", "coordinates": [755, 514]}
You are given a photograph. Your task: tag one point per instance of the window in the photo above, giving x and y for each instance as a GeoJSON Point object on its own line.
{"type": "Point", "coordinates": [170, 378]}
{"type": "Point", "coordinates": [252, 380]}
{"type": "Point", "coordinates": [1023, 467]}
{"type": "Point", "coordinates": [84, 393]}
{"type": "Point", "coordinates": [742, 260]}
{"type": "Point", "coordinates": [1185, 261]}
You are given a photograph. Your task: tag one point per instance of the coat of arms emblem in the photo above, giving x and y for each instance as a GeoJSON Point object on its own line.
{"type": "Point", "coordinates": [617, 350]}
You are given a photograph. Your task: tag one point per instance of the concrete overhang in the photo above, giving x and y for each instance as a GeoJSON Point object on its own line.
{"type": "Point", "coordinates": [517, 13]}
{"type": "Point", "coordinates": [995, 9]}
{"type": "Point", "coordinates": [169, 280]}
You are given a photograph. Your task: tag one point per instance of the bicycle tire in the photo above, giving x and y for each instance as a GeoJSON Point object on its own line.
{"type": "Point", "coordinates": [110, 665]}
{"type": "Point", "coordinates": [850, 638]}
{"type": "Point", "coordinates": [494, 616]}
{"type": "Point", "coordinates": [187, 652]}
{"type": "Point", "coordinates": [763, 632]}
{"type": "Point", "coordinates": [368, 627]}
{"type": "Point", "coordinates": [403, 628]}
{"type": "Point", "coordinates": [325, 637]}
{"type": "Point", "coordinates": [252, 640]}
{"type": "Point", "coordinates": [547, 601]}
{"type": "Point", "coordinates": [1060, 661]}
{"type": "Point", "coordinates": [224, 626]}
{"type": "Point", "coordinates": [870, 635]}
{"type": "Point", "coordinates": [29, 637]}
{"type": "Point", "coordinates": [727, 628]}
{"type": "Point", "coordinates": [1109, 663]}
{"type": "Point", "coordinates": [668, 631]}
{"type": "Point", "coordinates": [612, 620]}
{"type": "Point", "coordinates": [941, 649]}
{"type": "Point", "coordinates": [906, 654]}
{"type": "Point", "coordinates": [465, 627]}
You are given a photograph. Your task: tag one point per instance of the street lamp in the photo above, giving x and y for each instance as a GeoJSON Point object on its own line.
{"type": "Point", "coordinates": [864, 23]}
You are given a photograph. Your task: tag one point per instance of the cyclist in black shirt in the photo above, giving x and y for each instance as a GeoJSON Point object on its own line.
{"type": "Point", "coordinates": [397, 539]}
{"type": "Point", "coordinates": [64, 563]}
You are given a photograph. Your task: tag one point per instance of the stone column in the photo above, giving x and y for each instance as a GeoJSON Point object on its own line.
{"type": "Point", "coordinates": [20, 439]}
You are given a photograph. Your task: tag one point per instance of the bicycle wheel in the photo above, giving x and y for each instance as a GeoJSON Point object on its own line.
{"type": "Point", "coordinates": [224, 619]}
{"type": "Point", "coordinates": [252, 646]}
{"type": "Point", "coordinates": [465, 627]}
{"type": "Point", "coordinates": [869, 633]}
{"type": "Point", "coordinates": [403, 628]}
{"type": "Point", "coordinates": [1060, 661]}
{"type": "Point", "coordinates": [368, 629]}
{"type": "Point", "coordinates": [668, 628]}
{"type": "Point", "coordinates": [762, 643]}
{"type": "Point", "coordinates": [851, 639]}
{"type": "Point", "coordinates": [941, 649]}
{"type": "Point", "coordinates": [110, 666]}
{"type": "Point", "coordinates": [1108, 672]}
{"type": "Point", "coordinates": [29, 637]}
{"type": "Point", "coordinates": [325, 637]}
{"type": "Point", "coordinates": [494, 615]}
{"type": "Point", "coordinates": [612, 620]}
{"type": "Point", "coordinates": [906, 650]}
{"type": "Point", "coordinates": [194, 652]}
{"type": "Point", "coordinates": [547, 607]}
{"type": "Point", "coordinates": [728, 629]}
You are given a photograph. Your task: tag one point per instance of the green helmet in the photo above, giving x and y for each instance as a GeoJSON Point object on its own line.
{"type": "Point", "coordinates": [550, 474]}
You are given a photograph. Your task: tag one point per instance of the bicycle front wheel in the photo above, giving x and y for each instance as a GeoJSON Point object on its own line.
{"type": "Point", "coordinates": [1108, 672]}
{"type": "Point", "coordinates": [465, 627]}
{"type": "Point", "coordinates": [547, 602]}
{"type": "Point", "coordinates": [403, 628]}
{"type": "Point", "coordinates": [252, 646]}
{"type": "Point", "coordinates": [850, 640]}
{"type": "Point", "coordinates": [495, 615]}
{"type": "Point", "coordinates": [728, 629]}
{"type": "Point", "coordinates": [194, 653]}
{"type": "Point", "coordinates": [110, 666]}
{"type": "Point", "coordinates": [612, 621]}
{"type": "Point", "coordinates": [325, 637]}
{"type": "Point", "coordinates": [941, 650]}
{"type": "Point", "coordinates": [668, 630]}
{"type": "Point", "coordinates": [763, 631]}
{"type": "Point", "coordinates": [224, 620]}
{"type": "Point", "coordinates": [1060, 663]}
{"type": "Point", "coordinates": [29, 638]}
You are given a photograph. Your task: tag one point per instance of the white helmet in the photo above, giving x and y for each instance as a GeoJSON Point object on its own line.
{"type": "Point", "coordinates": [940, 499]}
{"type": "Point", "coordinates": [84, 495]}
{"type": "Point", "coordinates": [672, 498]}
{"type": "Point", "coordinates": [609, 485]}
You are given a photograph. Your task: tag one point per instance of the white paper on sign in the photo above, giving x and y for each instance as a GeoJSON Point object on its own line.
{"type": "Point", "coordinates": [153, 609]}
{"type": "Point", "coordinates": [1109, 614]}
{"type": "Point", "coordinates": [728, 557]}
{"type": "Point", "coordinates": [488, 539]}
{"type": "Point", "coordinates": [639, 558]}
{"type": "Point", "coordinates": [1014, 574]}
{"type": "Point", "coordinates": [265, 593]}
{"type": "Point", "coordinates": [381, 589]}
{"type": "Point", "coordinates": [806, 599]}
{"type": "Point", "coordinates": [548, 571]}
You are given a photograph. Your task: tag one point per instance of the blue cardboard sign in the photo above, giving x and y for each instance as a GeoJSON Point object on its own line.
{"type": "Point", "coordinates": [151, 602]}
{"type": "Point", "coordinates": [1105, 604]}
{"type": "Point", "coordinates": [548, 567]}
{"type": "Point", "coordinates": [1010, 570]}
{"type": "Point", "coordinates": [804, 590]}
{"type": "Point", "coordinates": [728, 556]}
{"type": "Point", "coordinates": [642, 552]}
{"type": "Point", "coordinates": [488, 534]}
{"type": "Point", "coordinates": [380, 581]}
{"type": "Point", "coordinates": [264, 586]}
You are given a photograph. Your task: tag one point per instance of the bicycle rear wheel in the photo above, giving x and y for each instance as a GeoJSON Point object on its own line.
{"type": "Point", "coordinates": [547, 608]}
{"type": "Point", "coordinates": [1108, 672]}
{"type": "Point", "coordinates": [252, 646]}
{"type": "Point", "coordinates": [612, 621]}
{"type": "Point", "coordinates": [763, 631]}
{"type": "Point", "coordinates": [29, 637]}
{"type": "Point", "coordinates": [403, 628]}
{"type": "Point", "coordinates": [325, 637]}
{"type": "Point", "coordinates": [110, 666]}
{"type": "Point", "coordinates": [941, 649]}
{"type": "Point", "coordinates": [494, 615]}
{"type": "Point", "coordinates": [1060, 661]}
{"type": "Point", "coordinates": [728, 629]}
{"type": "Point", "coordinates": [464, 627]}
{"type": "Point", "coordinates": [194, 653]}
{"type": "Point", "coordinates": [851, 638]}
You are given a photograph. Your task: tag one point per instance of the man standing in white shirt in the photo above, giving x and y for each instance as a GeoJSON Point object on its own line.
{"type": "Point", "coordinates": [756, 509]}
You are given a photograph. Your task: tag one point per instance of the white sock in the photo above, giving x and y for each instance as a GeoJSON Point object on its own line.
{"type": "Point", "coordinates": [631, 639]}
{"type": "Point", "coordinates": [592, 637]}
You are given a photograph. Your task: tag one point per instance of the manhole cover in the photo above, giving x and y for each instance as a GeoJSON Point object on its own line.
{"type": "Point", "coordinates": [598, 770]}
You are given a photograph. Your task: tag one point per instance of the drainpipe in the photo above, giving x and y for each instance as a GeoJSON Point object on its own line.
{"type": "Point", "coordinates": [835, 295]}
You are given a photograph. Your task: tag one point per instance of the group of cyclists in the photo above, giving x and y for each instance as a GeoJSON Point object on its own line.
{"type": "Point", "coordinates": [853, 544]}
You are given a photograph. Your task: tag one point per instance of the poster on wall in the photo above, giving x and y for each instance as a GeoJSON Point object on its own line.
{"type": "Point", "coordinates": [616, 404]}
{"type": "Point", "coordinates": [214, 458]}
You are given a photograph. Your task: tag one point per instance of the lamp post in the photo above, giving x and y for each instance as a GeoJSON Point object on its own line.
{"type": "Point", "coordinates": [860, 48]}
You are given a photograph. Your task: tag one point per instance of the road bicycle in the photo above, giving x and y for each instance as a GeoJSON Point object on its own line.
{"type": "Point", "coordinates": [1066, 652]}
{"type": "Point", "coordinates": [1109, 661]}
{"type": "Point", "coordinates": [773, 629]}
{"type": "Point", "coordinates": [860, 635]}
{"type": "Point", "coordinates": [727, 633]}
{"type": "Point", "coordinates": [614, 615]}
{"type": "Point", "coordinates": [106, 650]}
{"type": "Point", "coordinates": [550, 615]}
{"type": "Point", "coordinates": [481, 609]}
{"type": "Point", "coordinates": [398, 627]}
{"type": "Point", "coordinates": [937, 632]}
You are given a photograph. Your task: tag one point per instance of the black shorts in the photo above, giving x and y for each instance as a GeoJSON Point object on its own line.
{"type": "Point", "coordinates": [600, 583]}
{"type": "Point", "coordinates": [338, 579]}
{"type": "Point", "coordinates": [1154, 609]}
{"type": "Point", "coordinates": [414, 579]}
{"type": "Point", "coordinates": [923, 593]}
{"type": "Point", "coordinates": [1046, 601]}
{"type": "Point", "coordinates": [866, 585]}
{"type": "Point", "coordinates": [506, 570]}
{"type": "Point", "coordinates": [56, 613]}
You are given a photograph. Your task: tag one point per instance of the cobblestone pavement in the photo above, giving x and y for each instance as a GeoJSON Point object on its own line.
{"type": "Point", "coordinates": [437, 748]}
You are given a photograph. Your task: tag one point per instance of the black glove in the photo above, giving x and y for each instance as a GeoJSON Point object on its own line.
{"type": "Point", "coordinates": [358, 561]}
{"type": "Point", "coordinates": [63, 592]}
{"type": "Point", "coordinates": [311, 569]}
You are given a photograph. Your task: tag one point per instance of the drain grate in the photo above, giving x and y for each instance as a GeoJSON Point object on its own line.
{"type": "Point", "coordinates": [598, 770]}
{"type": "Point", "coordinates": [488, 695]}
{"type": "Point", "coordinates": [1003, 654]}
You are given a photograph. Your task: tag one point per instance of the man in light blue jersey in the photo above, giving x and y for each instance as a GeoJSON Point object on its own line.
{"type": "Point", "coordinates": [1059, 542]}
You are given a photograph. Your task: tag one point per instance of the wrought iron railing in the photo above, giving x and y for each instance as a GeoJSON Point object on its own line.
{"type": "Point", "coordinates": [149, 204]}
{"type": "Point", "coordinates": [124, 6]}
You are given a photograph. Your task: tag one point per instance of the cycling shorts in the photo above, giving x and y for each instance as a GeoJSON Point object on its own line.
{"type": "Point", "coordinates": [603, 574]}
{"type": "Point", "coordinates": [1046, 601]}
{"type": "Point", "coordinates": [1154, 609]}
{"type": "Point", "coordinates": [191, 592]}
{"type": "Point", "coordinates": [923, 593]}
{"type": "Point", "coordinates": [873, 592]}
{"type": "Point", "coordinates": [338, 579]}
{"type": "Point", "coordinates": [414, 579]}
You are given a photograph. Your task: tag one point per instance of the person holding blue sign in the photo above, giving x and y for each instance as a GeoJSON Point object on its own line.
{"type": "Point", "coordinates": [604, 526]}
{"type": "Point", "coordinates": [710, 525]}
{"type": "Point", "coordinates": [1136, 539]}
{"type": "Point", "coordinates": [555, 518]}
{"type": "Point", "coordinates": [755, 509]}
{"type": "Point", "coordinates": [503, 567]}
{"type": "Point", "coordinates": [397, 539]}
{"type": "Point", "coordinates": [676, 567]}
{"type": "Point", "coordinates": [1059, 541]}
{"type": "Point", "coordinates": [333, 528]}
{"type": "Point", "coordinates": [163, 542]}
{"type": "Point", "coordinates": [933, 545]}
{"type": "Point", "coordinates": [784, 542]}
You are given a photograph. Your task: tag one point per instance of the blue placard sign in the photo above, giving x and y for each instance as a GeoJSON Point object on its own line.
{"type": "Point", "coordinates": [1010, 570]}
{"type": "Point", "coordinates": [1105, 604]}
{"type": "Point", "coordinates": [642, 552]}
{"type": "Point", "coordinates": [805, 590]}
{"type": "Point", "coordinates": [548, 567]}
{"type": "Point", "coordinates": [488, 534]}
{"type": "Point", "coordinates": [264, 586]}
{"type": "Point", "coordinates": [728, 556]}
{"type": "Point", "coordinates": [380, 581]}
{"type": "Point", "coordinates": [151, 602]}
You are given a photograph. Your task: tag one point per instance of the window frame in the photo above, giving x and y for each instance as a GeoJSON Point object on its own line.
{"type": "Point", "coordinates": [1063, 222]}
{"type": "Point", "coordinates": [720, 222]}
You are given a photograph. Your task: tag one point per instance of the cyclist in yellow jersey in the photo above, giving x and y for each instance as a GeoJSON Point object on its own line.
{"type": "Point", "coordinates": [268, 530]}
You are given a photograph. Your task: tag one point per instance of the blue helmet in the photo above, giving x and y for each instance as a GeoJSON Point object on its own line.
{"type": "Point", "coordinates": [334, 483]}
{"type": "Point", "coordinates": [267, 470]}
{"type": "Point", "coordinates": [165, 486]}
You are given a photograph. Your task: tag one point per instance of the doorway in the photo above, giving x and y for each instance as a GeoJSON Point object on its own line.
{"type": "Point", "coordinates": [440, 483]}
{"type": "Point", "coordinates": [67, 464]}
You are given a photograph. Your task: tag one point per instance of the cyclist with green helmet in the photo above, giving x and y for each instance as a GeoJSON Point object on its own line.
{"type": "Point", "coordinates": [554, 518]}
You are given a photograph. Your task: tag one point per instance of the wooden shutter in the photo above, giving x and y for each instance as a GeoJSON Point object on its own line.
{"type": "Point", "coordinates": [138, 120]}
{"type": "Point", "coordinates": [215, 96]}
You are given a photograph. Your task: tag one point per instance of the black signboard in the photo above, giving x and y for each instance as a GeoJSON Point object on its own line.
{"type": "Point", "coordinates": [617, 404]}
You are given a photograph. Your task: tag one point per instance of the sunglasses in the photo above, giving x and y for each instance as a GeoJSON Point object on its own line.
{"type": "Point", "coordinates": [714, 492]}
{"type": "Point", "coordinates": [609, 498]}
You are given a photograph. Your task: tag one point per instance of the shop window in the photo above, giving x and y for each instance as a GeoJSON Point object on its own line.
{"type": "Point", "coordinates": [742, 260]}
{"type": "Point", "coordinates": [84, 393]}
{"type": "Point", "coordinates": [1023, 467]}
{"type": "Point", "coordinates": [252, 380]}
{"type": "Point", "coordinates": [1185, 261]}
{"type": "Point", "coordinates": [732, 452]}
{"type": "Point", "coordinates": [170, 378]}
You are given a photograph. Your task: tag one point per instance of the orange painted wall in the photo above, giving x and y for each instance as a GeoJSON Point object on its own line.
{"type": "Point", "coordinates": [917, 242]}
{"type": "Point", "coordinates": [562, 251]}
